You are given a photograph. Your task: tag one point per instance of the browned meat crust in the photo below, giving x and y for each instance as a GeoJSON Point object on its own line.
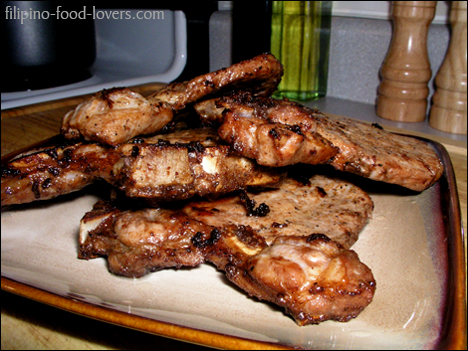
{"type": "Point", "coordinates": [275, 133]}
{"type": "Point", "coordinates": [372, 152]}
{"type": "Point", "coordinates": [280, 132]}
{"type": "Point", "coordinates": [259, 75]}
{"type": "Point", "coordinates": [142, 241]}
{"type": "Point", "coordinates": [166, 167]}
{"type": "Point", "coordinates": [45, 174]}
{"type": "Point", "coordinates": [186, 163]}
{"type": "Point", "coordinates": [114, 116]}
{"type": "Point", "coordinates": [333, 207]}
{"type": "Point", "coordinates": [312, 277]}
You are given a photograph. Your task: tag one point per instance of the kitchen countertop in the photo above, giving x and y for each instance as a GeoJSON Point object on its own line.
{"type": "Point", "coordinates": [28, 324]}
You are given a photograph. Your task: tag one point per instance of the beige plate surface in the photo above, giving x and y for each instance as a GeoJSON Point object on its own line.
{"type": "Point", "coordinates": [413, 244]}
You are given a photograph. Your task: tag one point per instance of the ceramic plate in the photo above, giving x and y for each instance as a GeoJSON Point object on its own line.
{"type": "Point", "coordinates": [413, 245]}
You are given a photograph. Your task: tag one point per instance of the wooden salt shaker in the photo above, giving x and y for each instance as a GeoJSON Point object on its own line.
{"type": "Point", "coordinates": [448, 112]}
{"type": "Point", "coordinates": [406, 69]}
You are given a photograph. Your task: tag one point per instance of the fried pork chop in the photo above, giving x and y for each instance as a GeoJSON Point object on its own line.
{"type": "Point", "coordinates": [162, 168]}
{"type": "Point", "coordinates": [333, 207]}
{"type": "Point", "coordinates": [117, 115]}
{"type": "Point", "coordinates": [281, 132]}
{"type": "Point", "coordinates": [312, 277]}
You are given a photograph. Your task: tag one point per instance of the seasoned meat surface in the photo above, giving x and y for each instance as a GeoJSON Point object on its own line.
{"type": "Point", "coordinates": [275, 133]}
{"type": "Point", "coordinates": [186, 163]}
{"type": "Point", "coordinates": [292, 133]}
{"type": "Point", "coordinates": [165, 167]}
{"type": "Point", "coordinates": [260, 76]}
{"type": "Point", "coordinates": [312, 277]}
{"type": "Point", "coordinates": [372, 152]}
{"type": "Point", "coordinates": [333, 207]}
{"type": "Point", "coordinates": [50, 172]}
{"type": "Point", "coordinates": [140, 241]}
{"type": "Point", "coordinates": [114, 116]}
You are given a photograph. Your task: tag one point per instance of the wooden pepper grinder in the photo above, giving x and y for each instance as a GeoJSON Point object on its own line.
{"type": "Point", "coordinates": [448, 112]}
{"type": "Point", "coordinates": [406, 69]}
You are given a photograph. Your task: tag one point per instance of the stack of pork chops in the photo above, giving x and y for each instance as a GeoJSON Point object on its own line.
{"type": "Point", "coordinates": [215, 170]}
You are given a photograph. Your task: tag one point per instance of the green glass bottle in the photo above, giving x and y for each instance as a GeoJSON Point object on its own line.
{"type": "Point", "coordinates": [300, 39]}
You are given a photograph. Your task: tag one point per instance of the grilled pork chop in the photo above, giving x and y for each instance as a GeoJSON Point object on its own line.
{"type": "Point", "coordinates": [275, 133]}
{"type": "Point", "coordinates": [47, 173]}
{"type": "Point", "coordinates": [165, 167]}
{"type": "Point", "coordinates": [115, 116]}
{"type": "Point", "coordinates": [186, 163]}
{"type": "Point", "coordinates": [280, 132]}
{"type": "Point", "coordinates": [333, 207]}
{"type": "Point", "coordinates": [141, 241]}
{"type": "Point", "coordinates": [312, 277]}
{"type": "Point", "coordinates": [260, 76]}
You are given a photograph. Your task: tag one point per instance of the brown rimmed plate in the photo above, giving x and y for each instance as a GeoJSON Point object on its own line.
{"type": "Point", "coordinates": [413, 244]}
